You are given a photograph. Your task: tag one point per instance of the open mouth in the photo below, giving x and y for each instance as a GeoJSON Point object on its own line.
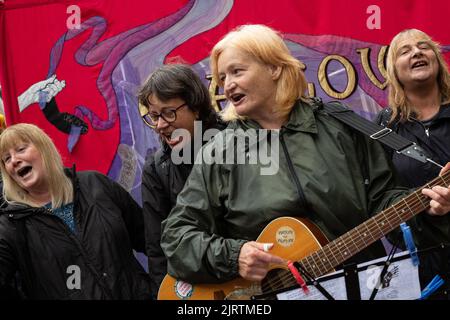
{"type": "Point", "coordinates": [236, 98]}
{"type": "Point", "coordinates": [419, 64]}
{"type": "Point", "coordinates": [171, 141]}
{"type": "Point", "coordinates": [24, 171]}
{"type": "Point", "coordinates": [165, 135]}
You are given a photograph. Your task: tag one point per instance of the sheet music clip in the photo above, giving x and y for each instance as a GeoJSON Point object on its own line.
{"type": "Point", "coordinates": [298, 278]}
{"type": "Point", "coordinates": [431, 287]}
{"type": "Point", "coordinates": [409, 242]}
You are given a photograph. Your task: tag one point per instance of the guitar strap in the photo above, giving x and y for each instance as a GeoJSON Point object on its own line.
{"type": "Point", "coordinates": [376, 132]}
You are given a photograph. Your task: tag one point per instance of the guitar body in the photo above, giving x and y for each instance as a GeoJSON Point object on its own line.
{"type": "Point", "coordinates": [293, 239]}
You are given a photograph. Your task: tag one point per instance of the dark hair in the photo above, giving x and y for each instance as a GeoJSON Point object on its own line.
{"type": "Point", "coordinates": [180, 81]}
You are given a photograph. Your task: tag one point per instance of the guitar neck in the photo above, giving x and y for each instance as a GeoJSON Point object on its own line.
{"type": "Point", "coordinates": [360, 237]}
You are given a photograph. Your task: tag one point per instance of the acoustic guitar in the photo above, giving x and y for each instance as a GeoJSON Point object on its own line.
{"type": "Point", "coordinates": [297, 239]}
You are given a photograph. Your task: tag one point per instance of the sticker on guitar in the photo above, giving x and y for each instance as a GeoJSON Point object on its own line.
{"type": "Point", "coordinates": [285, 236]}
{"type": "Point", "coordinates": [183, 289]}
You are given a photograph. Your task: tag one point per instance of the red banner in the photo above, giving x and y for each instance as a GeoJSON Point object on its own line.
{"type": "Point", "coordinates": [74, 67]}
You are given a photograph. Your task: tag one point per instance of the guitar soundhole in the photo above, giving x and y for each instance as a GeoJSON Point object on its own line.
{"type": "Point", "coordinates": [276, 279]}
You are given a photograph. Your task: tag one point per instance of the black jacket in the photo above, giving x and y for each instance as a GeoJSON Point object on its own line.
{"type": "Point", "coordinates": [428, 231]}
{"type": "Point", "coordinates": [162, 181]}
{"type": "Point", "coordinates": [434, 138]}
{"type": "Point", "coordinates": [39, 245]}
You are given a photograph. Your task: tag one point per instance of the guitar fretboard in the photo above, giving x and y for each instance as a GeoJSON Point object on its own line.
{"type": "Point", "coordinates": [336, 252]}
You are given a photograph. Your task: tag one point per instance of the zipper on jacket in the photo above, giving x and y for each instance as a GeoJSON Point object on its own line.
{"type": "Point", "coordinates": [426, 128]}
{"type": "Point", "coordinates": [301, 195]}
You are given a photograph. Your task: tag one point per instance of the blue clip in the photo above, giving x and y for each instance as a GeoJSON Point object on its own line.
{"type": "Point", "coordinates": [409, 241]}
{"type": "Point", "coordinates": [431, 287]}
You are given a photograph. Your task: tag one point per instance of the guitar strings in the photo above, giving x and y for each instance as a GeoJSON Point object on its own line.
{"type": "Point", "coordinates": [414, 204]}
{"type": "Point", "coordinates": [400, 211]}
{"type": "Point", "coordinates": [288, 280]}
{"type": "Point", "coordinates": [371, 227]}
{"type": "Point", "coordinates": [390, 212]}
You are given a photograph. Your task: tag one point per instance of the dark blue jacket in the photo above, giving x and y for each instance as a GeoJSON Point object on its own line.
{"type": "Point", "coordinates": [434, 137]}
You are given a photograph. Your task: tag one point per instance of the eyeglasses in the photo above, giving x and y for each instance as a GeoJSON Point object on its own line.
{"type": "Point", "coordinates": [169, 115]}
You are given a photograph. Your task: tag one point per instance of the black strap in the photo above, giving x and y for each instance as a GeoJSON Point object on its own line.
{"type": "Point", "coordinates": [352, 281]}
{"type": "Point", "coordinates": [314, 281]}
{"type": "Point", "coordinates": [63, 121]}
{"type": "Point", "coordinates": [376, 132]}
{"type": "Point", "coordinates": [384, 119]}
{"type": "Point", "coordinates": [303, 204]}
{"type": "Point", "coordinates": [386, 265]}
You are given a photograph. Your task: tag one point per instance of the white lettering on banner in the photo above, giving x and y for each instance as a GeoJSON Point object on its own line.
{"type": "Point", "coordinates": [74, 20]}
{"type": "Point", "coordinates": [374, 21]}
{"type": "Point", "coordinates": [252, 146]}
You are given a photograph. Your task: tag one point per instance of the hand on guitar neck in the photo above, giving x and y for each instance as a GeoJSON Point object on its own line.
{"type": "Point", "coordinates": [440, 197]}
{"type": "Point", "coordinates": [255, 261]}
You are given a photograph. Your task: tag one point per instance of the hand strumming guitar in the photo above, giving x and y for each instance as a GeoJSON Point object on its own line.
{"type": "Point", "coordinates": [254, 260]}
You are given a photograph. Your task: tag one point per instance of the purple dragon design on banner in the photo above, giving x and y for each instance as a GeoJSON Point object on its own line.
{"type": "Point", "coordinates": [130, 57]}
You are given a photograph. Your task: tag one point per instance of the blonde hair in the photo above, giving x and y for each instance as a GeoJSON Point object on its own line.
{"type": "Point", "coordinates": [397, 96]}
{"type": "Point", "coordinates": [266, 46]}
{"type": "Point", "coordinates": [60, 186]}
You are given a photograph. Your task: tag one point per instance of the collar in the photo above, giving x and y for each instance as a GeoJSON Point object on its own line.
{"type": "Point", "coordinates": [444, 112]}
{"type": "Point", "coordinates": [15, 211]}
{"type": "Point", "coordinates": [301, 119]}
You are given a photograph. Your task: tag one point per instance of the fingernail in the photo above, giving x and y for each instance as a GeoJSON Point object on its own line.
{"type": "Point", "coordinates": [267, 246]}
